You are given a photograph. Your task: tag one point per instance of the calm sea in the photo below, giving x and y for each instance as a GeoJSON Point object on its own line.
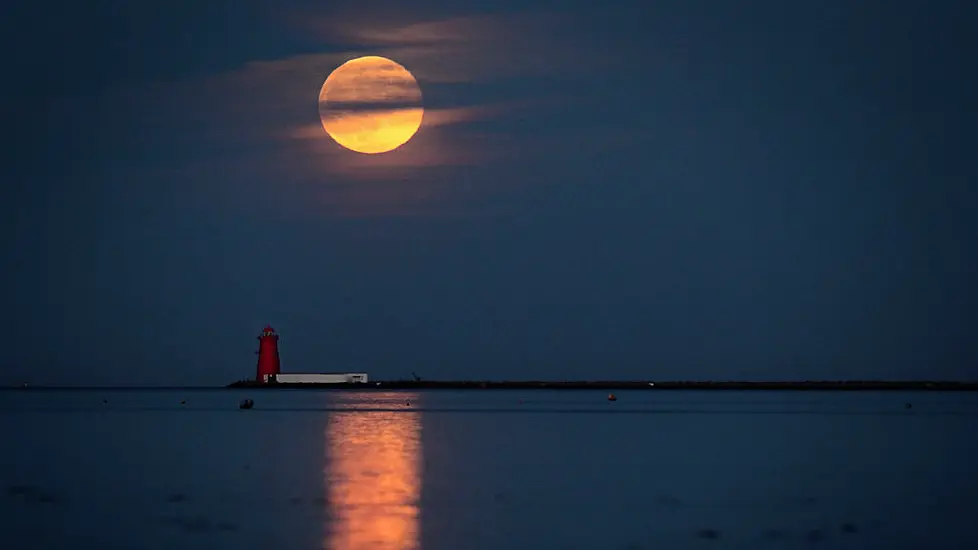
{"type": "Point", "coordinates": [487, 470]}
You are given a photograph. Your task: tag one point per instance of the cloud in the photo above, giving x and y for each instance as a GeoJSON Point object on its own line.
{"type": "Point", "coordinates": [430, 148]}
{"type": "Point", "coordinates": [433, 118]}
{"type": "Point", "coordinates": [427, 149]}
{"type": "Point", "coordinates": [474, 48]}
{"type": "Point", "coordinates": [271, 109]}
{"type": "Point", "coordinates": [275, 98]}
{"type": "Point", "coordinates": [270, 100]}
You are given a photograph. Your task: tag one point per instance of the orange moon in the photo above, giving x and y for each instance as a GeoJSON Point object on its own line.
{"type": "Point", "coordinates": [371, 105]}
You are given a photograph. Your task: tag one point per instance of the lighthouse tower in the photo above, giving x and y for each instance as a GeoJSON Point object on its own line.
{"type": "Point", "coordinates": [268, 363]}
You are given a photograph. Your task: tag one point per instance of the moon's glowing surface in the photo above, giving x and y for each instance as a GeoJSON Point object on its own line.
{"type": "Point", "coordinates": [371, 105]}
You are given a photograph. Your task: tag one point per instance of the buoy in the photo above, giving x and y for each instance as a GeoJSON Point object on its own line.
{"type": "Point", "coordinates": [908, 405]}
{"type": "Point", "coordinates": [611, 397]}
{"type": "Point", "coordinates": [246, 404]}
{"type": "Point", "coordinates": [183, 402]}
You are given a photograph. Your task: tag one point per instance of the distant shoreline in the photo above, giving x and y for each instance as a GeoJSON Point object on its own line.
{"type": "Point", "coordinates": [386, 385]}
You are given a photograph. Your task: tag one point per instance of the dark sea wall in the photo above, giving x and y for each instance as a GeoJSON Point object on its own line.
{"type": "Point", "coordinates": [850, 385]}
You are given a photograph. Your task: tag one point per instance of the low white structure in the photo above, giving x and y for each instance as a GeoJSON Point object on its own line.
{"type": "Point", "coordinates": [341, 378]}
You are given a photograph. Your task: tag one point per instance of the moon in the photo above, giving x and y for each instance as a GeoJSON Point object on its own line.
{"type": "Point", "coordinates": [371, 105]}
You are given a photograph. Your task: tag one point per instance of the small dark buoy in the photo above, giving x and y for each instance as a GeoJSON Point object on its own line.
{"type": "Point", "coordinates": [183, 402]}
{"type": "Point", "coordinates": [246, 404]}
{"type": "Point", "coordinates": [521, 401]}
{"type": "Point", "coordinates": [908, 406]}
{"type": "Point", "coordinates": [408, 403]}
{"type": "Point", "coordinates": [104, 401]}
{"type": "Point", "coordinates": [611, 397]}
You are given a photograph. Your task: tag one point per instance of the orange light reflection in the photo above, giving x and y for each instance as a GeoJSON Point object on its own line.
{"type": "Point", "coordinates": [373, 478]}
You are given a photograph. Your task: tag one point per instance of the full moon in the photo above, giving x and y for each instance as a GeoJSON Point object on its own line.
{"type": "Point", "coordinates": [370, 105]}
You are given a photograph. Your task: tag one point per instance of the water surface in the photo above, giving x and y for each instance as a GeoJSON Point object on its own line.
{"type": "Point", "coordinates": [481, 470]}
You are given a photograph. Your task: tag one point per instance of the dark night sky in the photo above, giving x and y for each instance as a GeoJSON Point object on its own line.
{"type": "Point", "coordinates": [675, 189]}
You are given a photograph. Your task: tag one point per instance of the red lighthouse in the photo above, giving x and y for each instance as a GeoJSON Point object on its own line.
{"type": "Point", "coordinates": [268, 363]}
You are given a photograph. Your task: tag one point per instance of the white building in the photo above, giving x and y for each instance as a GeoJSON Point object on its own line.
{"type": "Point", "coordinates": [341, 378]}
